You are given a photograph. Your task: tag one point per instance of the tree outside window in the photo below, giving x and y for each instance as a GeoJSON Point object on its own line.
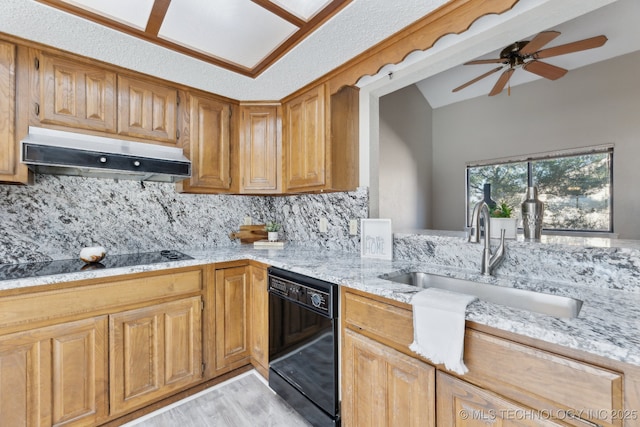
{"type": "Point", "coordinates": [576, 189]}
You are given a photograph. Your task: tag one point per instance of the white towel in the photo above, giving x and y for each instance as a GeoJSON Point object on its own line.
{"type": "Point", "coordinates": [438, 326]}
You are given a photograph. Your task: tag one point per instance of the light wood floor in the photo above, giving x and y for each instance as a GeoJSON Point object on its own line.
{"type": "Point", "coordinates": [244, 401]}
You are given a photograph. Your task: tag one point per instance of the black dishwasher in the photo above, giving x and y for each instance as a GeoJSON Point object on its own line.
{"type": "Point", "coordinates": [303, 345]}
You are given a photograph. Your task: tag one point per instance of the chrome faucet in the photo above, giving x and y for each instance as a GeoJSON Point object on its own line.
{"type": "Point", "coordinates": [489, 261]}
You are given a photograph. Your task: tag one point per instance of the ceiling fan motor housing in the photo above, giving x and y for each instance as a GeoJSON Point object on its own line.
{"type": "Point", "coordinates": [511, 54]}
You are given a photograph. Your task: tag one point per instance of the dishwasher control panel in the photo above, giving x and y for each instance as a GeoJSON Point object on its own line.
{"type": "Point", "coordinates": [300, 293]}
{"type": "Point", "coordinates": [314, 294]}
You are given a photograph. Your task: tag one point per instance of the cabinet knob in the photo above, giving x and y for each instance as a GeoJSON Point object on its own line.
{"type": "Point", "coordinates": [136, 163]}
{"type": "Point", "coordinates": [103, 159]}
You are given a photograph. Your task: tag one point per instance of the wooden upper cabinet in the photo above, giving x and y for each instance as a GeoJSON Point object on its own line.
{"type": "Point", "coordinates": [8, 146]}
{"type": "Point", "coordinates": [260, 163]}
{"type": "Point", "coordinates": [305, 148]}
{"type": "Point", "coordinates": [320, 141]}
{"type": "Point", "coordinates": [345, 156]}
{"type": "Point", "coordinates": [147, 110]}
{"type": "Point", "coordinates": [76, 95]}
{"type": "Point", "coordinates": [208, 145]}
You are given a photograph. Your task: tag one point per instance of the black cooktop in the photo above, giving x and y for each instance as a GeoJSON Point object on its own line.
{"type": "Point", "coordinates": [48, 268]}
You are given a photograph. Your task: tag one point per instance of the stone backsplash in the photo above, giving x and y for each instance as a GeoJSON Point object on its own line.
{"type": "Point", "coordinates": [58, 215]}
{"type": "Point", "coordinates": [557, 260]}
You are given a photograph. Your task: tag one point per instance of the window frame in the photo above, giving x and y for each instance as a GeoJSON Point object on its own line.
{"type": "Point", "coordinates": [551, 155]}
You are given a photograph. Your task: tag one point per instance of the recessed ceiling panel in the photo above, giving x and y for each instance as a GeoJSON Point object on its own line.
{"type": "Point", "coordinates": [135, 13]}
{"type": "Point", "coordinates": [237, 30]}
{"type": "Point", "coordinates": [304, 9]}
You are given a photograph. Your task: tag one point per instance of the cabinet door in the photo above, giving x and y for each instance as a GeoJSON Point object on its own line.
{"type": "Point", "coordinates": [383, 387]}
{"type": "Point", "coordinates": [208, 145]}
{"type": "Point", "coordinates": [462, 404]}
{"type": "Point", "coordinates": [55, 376]}
{"type": "Point", "coordinates": [304, 141]}
{"type": "Point", "coordinates": [76, 95]}
{"type": "Point", "coordinates": [259, 319]}
{"type": "Point", "coordinates": [259, 151]}
{"type": "Point", "coordinates": [153, 352]}
{"type": "Point", "coordinates": [8, 152]}
{"type": "Point", "coordinates": [147, 110]}
{"type": "Point", "coordinates": [232, 329]}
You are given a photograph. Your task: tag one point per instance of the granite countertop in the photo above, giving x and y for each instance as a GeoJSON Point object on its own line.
{"type": "Point", "coordinates": [607, 326]}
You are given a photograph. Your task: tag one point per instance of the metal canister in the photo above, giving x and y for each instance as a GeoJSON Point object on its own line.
{"type": "Point", "coordinates": [532, 212]}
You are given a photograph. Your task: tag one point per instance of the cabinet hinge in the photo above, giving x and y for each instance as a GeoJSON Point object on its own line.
{"type": "Point", "coordinates": [177, 133]}
{"type": "Point", "coordinates": [201, 305]}
{"type": "Point", "coordinates": [177, 99]}
{"type": "Point", "coordinates": [36, 63]}
{"type": "Point", "coordinates": [37, 109]}
{"type": "Point", "coordinates": [230, 112]}
{"type": "Point", "coordinates": [203, 367]}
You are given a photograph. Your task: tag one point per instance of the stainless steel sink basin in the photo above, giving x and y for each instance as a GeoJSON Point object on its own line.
{"type": "Point", "coordinates": [552, 305]}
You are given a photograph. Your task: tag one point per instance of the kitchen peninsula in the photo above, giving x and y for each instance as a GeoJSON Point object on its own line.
{"type": "Point", "coordinates": [602, 336]}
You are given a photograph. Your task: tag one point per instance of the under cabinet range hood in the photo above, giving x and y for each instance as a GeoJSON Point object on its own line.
{"type": "Point", "coordinates": [57, 152]}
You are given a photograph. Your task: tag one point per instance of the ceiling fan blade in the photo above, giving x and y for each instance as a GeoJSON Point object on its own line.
{"type": "Point", "coordinates": [502, 81]}
{"type": "Point", "coordinates": [470, 82]}
{"type": "Point", "coordinates": [538, 42]}
{"type": "Point", "coordinates": [545, 70]}
{"type": "Point", "coordinates": [585, 44]}
{"type": "Point", "coordinates": [488, 61]}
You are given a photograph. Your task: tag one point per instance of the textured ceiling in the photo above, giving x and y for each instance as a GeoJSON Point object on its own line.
{"type": "Point", "coordinates": [360, 25]}
{"type": "Point", "coordinates": [357, 27]}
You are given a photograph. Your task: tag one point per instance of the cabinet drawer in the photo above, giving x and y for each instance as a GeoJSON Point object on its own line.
{"type": "Point", "coordinates": [542, 380]}
{"type": "Point", "coordinates": [92, 298]}
{"type": "Point", "coordinates": [382, 320]}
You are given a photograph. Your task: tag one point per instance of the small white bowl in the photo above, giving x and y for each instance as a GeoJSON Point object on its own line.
{"type": "Point", "coordinates": [93, 254]}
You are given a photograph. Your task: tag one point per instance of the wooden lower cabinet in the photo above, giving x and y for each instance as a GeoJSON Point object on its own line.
{"type": "Point", "coordinates": [383, 387]}
{"type": "Point", "coordinates": [461, 404]}
{"type": "Point", "coordinates": [259, 309]}
{"type": "Point", "coordinates": [155, 351]}
{"type": "Point", "coordinates": [55, 376]}
{"type": "Point", "coordinates": [231, 321]}
{"type": "Point", "coordinates": [509, 383]}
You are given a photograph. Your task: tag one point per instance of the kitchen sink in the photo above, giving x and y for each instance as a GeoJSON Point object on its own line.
{"type": "Point", "coordinates": [552, 305]}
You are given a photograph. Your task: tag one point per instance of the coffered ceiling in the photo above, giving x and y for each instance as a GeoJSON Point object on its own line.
{"type": "Point", "coordinates": [244, 36]}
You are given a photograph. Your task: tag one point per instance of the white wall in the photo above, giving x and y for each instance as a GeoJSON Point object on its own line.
{"type": "Point", "coordinates": [405, 150]}
{"type": "Point", "coordinates": [593, 105]}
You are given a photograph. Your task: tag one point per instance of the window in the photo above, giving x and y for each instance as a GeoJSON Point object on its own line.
{"type": "Point", "coordinates": [575, 186]}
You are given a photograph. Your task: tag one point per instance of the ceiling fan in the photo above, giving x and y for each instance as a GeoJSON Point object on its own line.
{"type": "Point", "coordinates": [526, 54]}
